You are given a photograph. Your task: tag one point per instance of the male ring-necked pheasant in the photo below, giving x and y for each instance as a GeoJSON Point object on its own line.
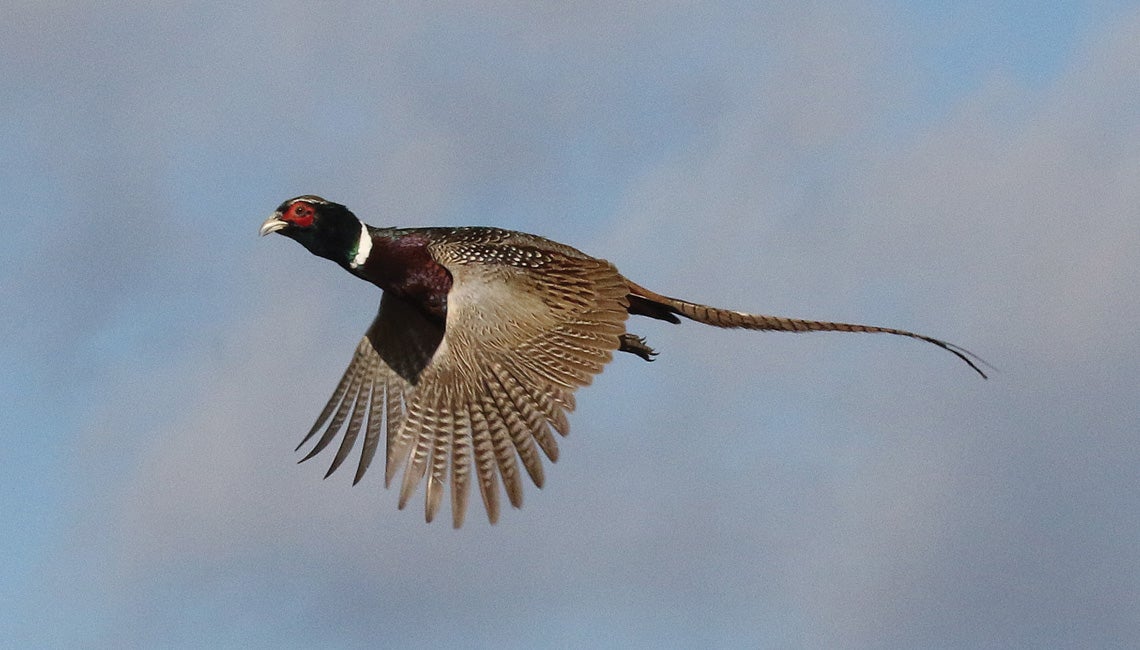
{"type": "Point", "coordinates": [482, 337]}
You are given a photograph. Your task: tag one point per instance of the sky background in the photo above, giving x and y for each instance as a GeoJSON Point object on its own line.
{"type": "Point", "coordinates": [971, 172]}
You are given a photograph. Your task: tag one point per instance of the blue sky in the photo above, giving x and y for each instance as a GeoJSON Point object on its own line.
{"type": "Point", "coordinates": [967, 172]}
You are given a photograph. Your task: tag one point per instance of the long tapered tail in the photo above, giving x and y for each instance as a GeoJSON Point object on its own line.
{"type": "Point", "coordinates": [655, 305]}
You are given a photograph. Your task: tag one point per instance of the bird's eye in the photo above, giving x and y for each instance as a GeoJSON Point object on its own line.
{"type": "Point", "coordinates": [300, 214]}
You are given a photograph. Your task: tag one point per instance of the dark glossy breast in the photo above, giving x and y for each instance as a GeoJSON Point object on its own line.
{"type": "Point", "coordinates": [401, 263]}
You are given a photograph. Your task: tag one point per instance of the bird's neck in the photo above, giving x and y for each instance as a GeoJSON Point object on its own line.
{"type": "Point", "coordinates": [363, 248]}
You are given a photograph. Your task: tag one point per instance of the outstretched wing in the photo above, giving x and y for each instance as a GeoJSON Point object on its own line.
{"type": "Point", "coordinates": [379, 381]}
{"type": "Point", "coordinates": [526, 326]}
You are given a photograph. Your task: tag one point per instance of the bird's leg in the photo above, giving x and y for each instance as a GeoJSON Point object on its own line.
{"type": "Point", "coordinates": [636, 345]}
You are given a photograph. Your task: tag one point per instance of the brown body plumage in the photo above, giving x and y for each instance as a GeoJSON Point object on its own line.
{"type": "Point", "coordinates": [482, 337]}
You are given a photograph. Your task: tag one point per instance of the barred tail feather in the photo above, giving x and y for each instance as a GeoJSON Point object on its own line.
{"type": "Point", "coordinates": [663, 307]}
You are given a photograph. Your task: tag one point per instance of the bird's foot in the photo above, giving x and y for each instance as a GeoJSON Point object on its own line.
{"type": "Point", "coordinates": [636, 345]}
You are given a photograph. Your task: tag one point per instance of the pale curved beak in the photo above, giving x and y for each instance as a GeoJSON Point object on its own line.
{"type": "Point", "coordinates": [272, 224]}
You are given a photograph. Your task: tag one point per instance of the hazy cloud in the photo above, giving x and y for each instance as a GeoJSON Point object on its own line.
{"type": "Point", "coordinates": [745, 489]}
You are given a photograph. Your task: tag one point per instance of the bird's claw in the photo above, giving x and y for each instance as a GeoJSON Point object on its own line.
{"type": "Point", "coordinates": [636, 345]}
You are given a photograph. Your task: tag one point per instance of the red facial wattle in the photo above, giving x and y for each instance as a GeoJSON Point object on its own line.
{"type": "Point", "coordinates": [299, 214]}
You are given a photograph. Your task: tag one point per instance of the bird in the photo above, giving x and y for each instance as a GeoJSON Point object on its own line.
{"type": "Point", "coordinates": [480, 341]}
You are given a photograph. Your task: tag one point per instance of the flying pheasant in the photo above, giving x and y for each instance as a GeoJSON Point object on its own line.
{"type": "Point", "coordinates": [482, 337]}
